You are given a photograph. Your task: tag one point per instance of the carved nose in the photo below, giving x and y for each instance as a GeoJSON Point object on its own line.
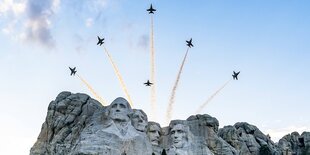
{"type": "Point", "coordinates": [176, 136]}
{"type": "Point", "coordinates": [117, 110]}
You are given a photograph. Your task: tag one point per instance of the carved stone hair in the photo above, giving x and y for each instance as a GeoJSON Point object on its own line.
{"type": "Point", "coordinates": [149, 124]}
{"type": "Point", "coordinates": [142, 112]}
{"type": "Point", "coordinates": [117, 100]}
{"type": "Point", "coordinates": [105, 112]}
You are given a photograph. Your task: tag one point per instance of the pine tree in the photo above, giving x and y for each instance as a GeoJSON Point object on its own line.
{"type": "Point", "coordinates": [164, 152]}
{"type": "Point", "coordinates": [305, 151]}
{"type": "Point", "coordinates": [264, 150]}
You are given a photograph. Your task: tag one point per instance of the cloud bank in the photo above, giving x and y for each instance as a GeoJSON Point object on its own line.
{"type": "Point", "coordinates": [38, 27]}
{"type": "Point", "coordinates": [33, 20]}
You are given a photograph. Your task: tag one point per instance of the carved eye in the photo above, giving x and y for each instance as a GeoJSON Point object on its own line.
{"type": "Point", "coordinates": [122, 106]}
{"type": "Point", "coordinates": [114, 106]}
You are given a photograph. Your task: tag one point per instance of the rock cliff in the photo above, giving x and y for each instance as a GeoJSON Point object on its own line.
{"type": "Point", "coordinates": [79, 125]}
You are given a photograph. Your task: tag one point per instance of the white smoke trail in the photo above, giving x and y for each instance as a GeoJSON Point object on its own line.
{"type": "Point", "coordinates": [101, 100]}
{"type": "Point", "coordinates": [211, 97]}
{"type": "Point", "coordinates": [171, 101]}
{"type": "Point", "coordinates": [119, 76]}
{"type": "Point", "coordinates": [153, 80]}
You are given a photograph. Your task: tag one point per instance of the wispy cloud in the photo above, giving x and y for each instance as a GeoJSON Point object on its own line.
{"type": "Point", "coordinates": [9, 28]}
{"type": "Point", "coordinates": [143, 41]}
{"type": "Point", "coordinates": [29, 19]}
{"type": "Point", "coordinates": [94, 6]}
{"type": "Point", "coordinates": [10, 12]}
{"type": "Point", "coordinates": [89, 22]}
{"type": "Point", "coordinates": [11, 7]}
{"type": "Point", "coordinates": [38, 27]}
{"type": "Point", "coordinates": [33, 20]}
{"type": "Point", "coordinates": [277, 134]}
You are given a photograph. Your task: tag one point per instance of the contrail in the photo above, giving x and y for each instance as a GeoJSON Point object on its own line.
{"type": "Point", "coordinates": [119, 76]}
{"type": "Point", "coordinates": [101, 100]}
{"type": "Point", "coordinates": [211, 97]}
{"type": "Point", "coordinates": [171, 101]}
{"type": "Point", "coordinates": [153, 88]}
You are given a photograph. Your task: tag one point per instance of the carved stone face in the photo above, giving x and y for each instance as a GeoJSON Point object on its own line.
{"type": "Point", "coordinates": [178, 135]}
{"type": "Point", "coordinates": [119, 110]}
{"type": "Point", "coordinates": [139, 120]}
{"type": "Point", "coordinates": [154, 134]}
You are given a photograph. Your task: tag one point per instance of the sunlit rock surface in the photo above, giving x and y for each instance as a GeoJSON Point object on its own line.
{"type": "Point", "coordinates": [79, 125]}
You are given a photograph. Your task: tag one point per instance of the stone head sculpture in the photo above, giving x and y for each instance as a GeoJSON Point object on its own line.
{"type": "Point", "coordinates": [180, 135]}
{"type": "Point", "coordinates": [154, 132]}
{"type": "Point", "coordinates": [139, 120]}
{"type": "Point", "coordinates": [119, 110]}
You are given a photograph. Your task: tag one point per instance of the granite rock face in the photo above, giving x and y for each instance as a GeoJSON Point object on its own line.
{"type": "Point", "coordinates": [295, 144]}
{"type": "Point", "coordinates": [231, 136]}
{"type": "Point", "coordinates": [113, 133]}
{"type": "Point", "coordinates": [247, 139]}
{"type": "Point", "coordinates": [66, 117]}
{"type": "Point", "coordinates": [206, 127]}
{"type": "Point", "coordinates": [79, 125]}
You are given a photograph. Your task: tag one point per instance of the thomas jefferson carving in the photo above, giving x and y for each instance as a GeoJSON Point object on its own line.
{"type": "Point", "coordinates": [139, 120]}
{"type": "Point", "coordinates": [153, 132]}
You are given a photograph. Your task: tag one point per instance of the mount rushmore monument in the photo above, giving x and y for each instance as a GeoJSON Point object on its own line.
{"type": "Point", "coordinates": [76, 124]}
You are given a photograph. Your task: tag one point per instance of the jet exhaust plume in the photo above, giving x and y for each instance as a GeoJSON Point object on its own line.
{"type": "Point", "coordinates": [211, 97]}
{"type": "Point", "coordinates": [171, 101]}
{"type": "Point", "coordinates": [119, 76]}
{"type": "Point", "coordinates": [153, 88]}
{"type": "Point", "coordinates": [101, 100]}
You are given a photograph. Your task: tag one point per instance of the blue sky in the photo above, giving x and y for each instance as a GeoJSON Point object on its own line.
{"type": "Point", "coordinates": [268, 41]}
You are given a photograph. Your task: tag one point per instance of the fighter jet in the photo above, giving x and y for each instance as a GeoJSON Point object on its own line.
{"type": "Point", "coordinates": [189, 43]}
{"type": "Point", "coordinates": [100, 41]}
{"type": "Point", "coordinates": [148, 83]}
{"type": "Point", "coordinates": [151, 10]}
{"type": "Point", "coordinates": [235, 75]}
{"type": "Point", "coordinates": [73, 71]}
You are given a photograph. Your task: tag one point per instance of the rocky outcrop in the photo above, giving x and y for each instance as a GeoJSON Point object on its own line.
{"type": "Point", "coordinates": [206, 127]}
{"type": "Point", "coordinates": [247, 139]}
{"type": "Point", "coordinates": [66, 117]}
{"type": "Point", "coordinates": [295, 144]}
{"type": "Point", "coordinates": [231, 136]}
{"type": "Point", "coordinates": [79, 125]}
